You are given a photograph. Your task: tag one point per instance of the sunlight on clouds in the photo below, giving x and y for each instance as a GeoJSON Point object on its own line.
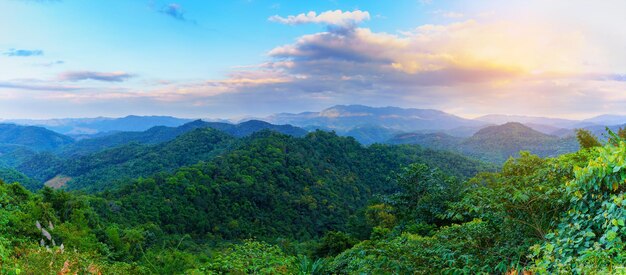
{"type": "Point", "coordinates": [488, 58]}
{"type": "Point", "coordinates": [336, 18]}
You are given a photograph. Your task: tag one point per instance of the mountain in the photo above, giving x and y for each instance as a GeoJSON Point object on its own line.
{"type": "Point", "coordinates": [346, 117]}
{"type": "Point", "coordinates": [547, 121]}
{"type": "Point", "coordinates": [90, 126]}
{"type": "Point", "coordinates": [494, 143]}
{"type": "Point", "coordinates": [10, 175]}
{"type": "Point", "coordinates": [31, 137]}
{"type": "Point", "coordinates": [607, 120]}
{"type": "Point", "coordinates": [439, 141]}
{"type": "Point", "coordinates": [90, 163]}
{"type": "Point", "coordinates": [159, 134]}
{"type": "Point", "coordinates": [105, 168]}
{"type": "Point", "coordinates": [273, 185]}
{"type": "Point", "coordinates": [252, 126]}
{"type": "Point", "coordinates": [370, 134]}
{"type": "Point", "coordinates": [498, 143]}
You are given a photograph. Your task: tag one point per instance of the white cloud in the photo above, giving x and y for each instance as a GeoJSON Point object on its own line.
{"type": "Point", "coordinates": [333, 18]}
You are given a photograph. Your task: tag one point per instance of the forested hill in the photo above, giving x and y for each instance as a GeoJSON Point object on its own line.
{"type": "Point", "coordinates": [110, 167]}
{"type": "Point", "coordinates": [35, 138]}
{"type": "Point", "coordinates": [107, 168]}
{"type": "Point", "coordinates": [495, 143]}
{"type": "Point", "coordinates": [274, 185]}
{"type": "Point", "coordinates": [161, 134]}
{"type": "Point", "coordinates": [325, 204]}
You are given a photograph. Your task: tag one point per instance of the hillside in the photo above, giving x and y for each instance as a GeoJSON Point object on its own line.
{"type": "Point", "coordinates": [161, 134]}
{"type": "Point", "coordinates": [495, 143]}
{"type": "Point", "coordinates": [369, 134]}
{"type": "Point", "coordinates": [346, 117]}
{"type": "Point", "coordinates": [90, 126]}
{"type": "Point", "coordinates": [282, 186]}
{"type": "Point", "coordinates": [31, 137]}
{"type": "Point", "coordinates": [439, 141]}
{"type": "Point", "coordinates": [105, 169]}
{"type": "Point", "coordinates": [546, 121]}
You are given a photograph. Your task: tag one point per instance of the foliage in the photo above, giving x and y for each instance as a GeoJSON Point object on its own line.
{"type": "Point", "coordinates": [252, 257]}
{"type": "Point", "coordinates": [586, 139]}
{"type": "Point", "coordinates": [334, 243]}
{"type": "Point", "coordinates": [453, 249]}
{"type": "Point", "coordinates": [318, 204]}
{"type": "Point", "coordinates": [12, 175]}
{"type": "Point", "coordinates": [590, 235]}
{"type": "Point", "coordinates": [32, 137]}
{"type": "Point", "coordinates": [424, 195]}
{"type": "Point", "coordinates": [494, 144]}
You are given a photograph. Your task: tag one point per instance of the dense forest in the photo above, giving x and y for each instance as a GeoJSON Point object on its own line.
{"type": "Point", "coordinates": [494, 144]}
{"type": "Point", "coordinates": [208, 201]}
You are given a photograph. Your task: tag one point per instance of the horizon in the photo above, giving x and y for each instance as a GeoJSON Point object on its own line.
{"type": "Point", "coordinates": [244, 118]}
{"type": "Point", "coordinates": [191, 59]}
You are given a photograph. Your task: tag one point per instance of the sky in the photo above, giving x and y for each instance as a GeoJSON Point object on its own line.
{"type": "Point", "coordinates": [229, 59]}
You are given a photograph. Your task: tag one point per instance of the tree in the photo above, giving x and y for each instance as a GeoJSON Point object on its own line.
{"type": "Point", "coordinates": [424, 195]}
{"type": "Point", "coordinates": [621, 133]}
{"type": "Point", "coordinates": [586, 139]}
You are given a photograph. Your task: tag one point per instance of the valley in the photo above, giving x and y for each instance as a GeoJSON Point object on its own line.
{"type": "Point", "coordinates": [320, 195]}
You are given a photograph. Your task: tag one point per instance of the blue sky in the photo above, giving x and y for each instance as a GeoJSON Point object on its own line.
{"type": "Point", "coordinates": [76, 58]}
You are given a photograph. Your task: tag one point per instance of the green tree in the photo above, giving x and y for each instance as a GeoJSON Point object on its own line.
{"type": "Point", "coordinates": [586, 139]}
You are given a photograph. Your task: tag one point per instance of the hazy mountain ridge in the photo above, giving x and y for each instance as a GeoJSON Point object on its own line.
{"type": "Point", "coordinates": [350, 120]}
{"type": "Point", "coordinates": [90, 126]}
{"type": "Point", "coordinates": [35, 138]}
{"type": "Point", "coordinates": [159, 134]}
{"type": "Point", "coordinates": [494, 143]}
{"type": "Point", "coordinates": [345, 117]}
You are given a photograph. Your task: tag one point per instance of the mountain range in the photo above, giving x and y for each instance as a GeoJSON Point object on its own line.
{"type": "Point", "coordinates": [380, 124]}
{"type": "Point", "coordinates": [80, 127]}
{"type": "Point", "coordinates": [20, 142]}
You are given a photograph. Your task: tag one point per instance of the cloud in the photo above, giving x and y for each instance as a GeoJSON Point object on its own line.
{"type": "Point", "coordinates": [493, 65]}
{"type": "Point", "coordinates": [431, 55]}
{"type": "Point", "coordinates": [99, 76]}
{"type": "Point", "coordinates": [449, 14]}
{"type": "Point", "coordinates": [34, 85]}
{"type": "Point", "coordinates": [332, 18]}
{"type": "Point", "coordinates": [462, 66]}
{"type": "Point", "coordinates": [23, 53]}
{"type": "Point", "coordinates": [53, 63]}
{"type": "Point", "coordinates": [174, 10]}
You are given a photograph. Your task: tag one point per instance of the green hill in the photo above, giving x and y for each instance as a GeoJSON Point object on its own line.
{"type": "Point", "coordinates": [32, 137]}
{"type": "Point", "coordinates": [104, 169]}
{"type": "Point", "coordinates": [494, 143]}
{"type": "Point", "coordinates": [273, 185]}
{"type": "Point", "coordinates": [161, 134]}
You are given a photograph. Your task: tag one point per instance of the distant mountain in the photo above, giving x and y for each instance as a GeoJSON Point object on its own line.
{"type": "Point", "coordinates": [252, 126]}
{"type": "Point", "coordinates": [439, 141]}
{"type": "Point", "coordinates": [495, 143]}
{"type": "Point", "coordinates": [545, 129]}
{"type": "Point", "coordinates": [89, 126]}
{"type": "Point", "coordinates": [607, 120]}
{"type": "Point", "coordinates": [347, 117]}
{"type": "Point", "coordinates": [161, 134]}
{"type": "Point", "coordinates": [547, 121]}
{"type": "Point", "coordinates": [31, 137]}
{"type": "Point", "coordinates": [463, 131]}
{"type": "Point", "coordinates": [370, 134]}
